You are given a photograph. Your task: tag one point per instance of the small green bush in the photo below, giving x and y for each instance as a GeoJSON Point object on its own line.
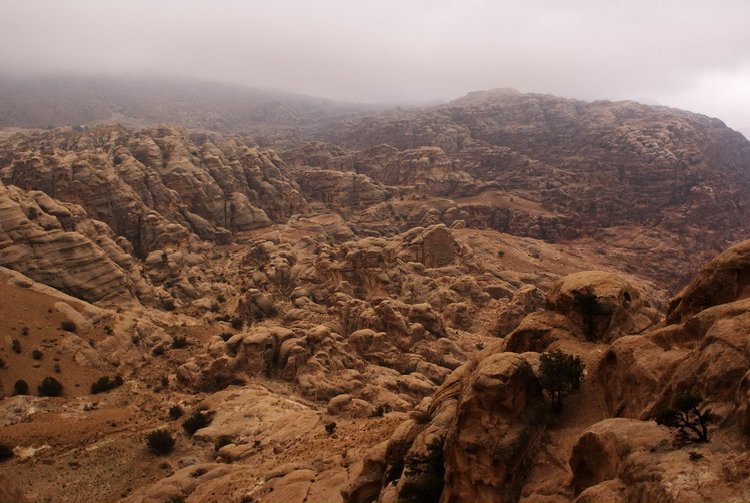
{"type": "Point", "coordinates": [21, 387]}
{"type": "Point", "coordinates": [175, 412]}
{"type": "Point", "coordinates": [222, 441]}
{"type": "Point", "coordinates": [105, 384]}
{"type": "Point", "coordinates": [68, 326]}
{"type": "Point", "coordinates": [6, 451]}
{"type": "Point", "coordinates": [160, 442]}
{"type": "Point", "coordinates": [179, 342]}
{"type": "Point", "coordinates": [195, 422]}
{"type": "Point", "coordinates": [50, 387]}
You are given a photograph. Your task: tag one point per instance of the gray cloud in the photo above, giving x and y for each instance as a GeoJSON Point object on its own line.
{"type": "Point", "coordinates": [688, 53]}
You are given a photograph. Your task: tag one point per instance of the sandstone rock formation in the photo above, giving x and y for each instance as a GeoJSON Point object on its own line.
{"type": "Point", "coordinates": [357, 312]}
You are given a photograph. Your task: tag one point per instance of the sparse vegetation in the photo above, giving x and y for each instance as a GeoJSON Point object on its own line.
{"type": "Point", "coordinates": [105, 384]}
{"type": "Point", "coordinates": [424, 472]}
{"type": "Point", "coordinates": [559, 374]}
{"type": "Point", "coordinates": [222, 441]}
{"type": "Point", "coordinates": [687, 415]}
{"type": "Point", "coordinates": [68, 326]}
{"type": "Point", "coordinates": [21, 387]}
{"type": "Point", "coordinates": [160, 442]}
{"type": "Point", "coordinates": [158, 351]}
{"type": "Point", "coordinates": [330, 428]}
{"type": "Point", "coordinates": [198, 472]}
{"type": "Point", "coordinates": [175, 412]}
{"type": "Point", "coordinates": [420, 416]}
{"type": "Point", "coordinates": [195, 422]}
{"type": "Point", "coordinates": [50, 387]}
{"type": "Point", "coordinates": [6, 451]}
{"type": "Point", "coordinates": [179, 342]}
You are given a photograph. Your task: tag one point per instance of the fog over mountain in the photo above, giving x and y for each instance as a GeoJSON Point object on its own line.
{"type": "Point", "coordinates": [687, 54]}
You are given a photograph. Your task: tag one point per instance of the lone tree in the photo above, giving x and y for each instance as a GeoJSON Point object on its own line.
{"type": "Point", "coordinates": [559, 374]}
{"type": "Point", "coordinates": [688, 417]}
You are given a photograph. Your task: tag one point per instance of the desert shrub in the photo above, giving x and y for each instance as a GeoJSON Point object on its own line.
{"type": "Point", "coordinates": [688, 417]}
{"type": "Point", "coordinates": [105, 384]}
{"type": "Point", "coordinates": [160, 441]}
{"type": "Point", "coordinates": [158, 351]}
{"type": "Point", "coordinates": [381, 410]}
{"type": "Point", "coordinates": [15, 345]}
{"type": "Point", "coordinates": [68, 326]}
{"type": "Point", "coordinates": [424, 472]}
{"type": "Point", "coordinates": [175, 412]}
{"type": "Point", "coordinates": [37, 355]}
{"type": "Point", "coordinates": [237, 323]}
{"type": "Point", "coordinates": [559, 373]}
{"type": "Point", "coordinates": [420, 416]}
{"type": "Point", "coordinates": [21, 387]}
{"type": "Point", "coordinates": [179, 342]}
{"type": "Point", "coordinates": [222, 441]}
{"type": "Point", "coordinates": [6, 451]}
{"type": "Point", "coordinates": [195, 422]}
{"type": "Point", "coordinates": [198, 472]}
{"type": "Point", "coordinates": [50, 387]}
{"type": "Point", "coordinates": [330, 428]}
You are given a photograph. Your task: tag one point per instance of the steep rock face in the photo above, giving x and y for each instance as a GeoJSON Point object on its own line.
{"type": "Point", "coordinates": [725, 279]}
{"type": "Point", "coordinates": [497, 427]}
{"type": "Point", "coordinates": [56, 245]}
{"type": "Point", "coordinates": [626, 460]}
{"type": "Point", "coordinates": [702, 352]}
{"type": "Point", "coordinates": [137, 182]}
{"type": "Point", "coordinates": [472, 442]}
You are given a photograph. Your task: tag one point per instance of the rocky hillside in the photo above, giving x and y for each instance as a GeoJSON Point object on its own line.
{"type": "Point", "coordinates": [627, 174]}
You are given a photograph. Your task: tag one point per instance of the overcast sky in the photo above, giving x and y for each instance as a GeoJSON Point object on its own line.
{"type": "Point", "coordinates": [693, 54]}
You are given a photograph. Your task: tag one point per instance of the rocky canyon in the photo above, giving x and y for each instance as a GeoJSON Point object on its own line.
{"type": "Point", "coordinates": [297, 301]}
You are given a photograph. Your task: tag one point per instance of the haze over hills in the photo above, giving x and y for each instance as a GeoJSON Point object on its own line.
{"type": "Point", "coordinates": [38, 102]}
{"type": "Point", "coordinates": [319, 302]}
